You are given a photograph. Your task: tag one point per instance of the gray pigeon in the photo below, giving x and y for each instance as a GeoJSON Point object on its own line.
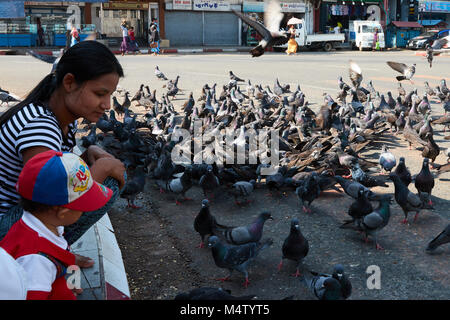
{"type": "Point", "coordinates": [355, 74]}
{"type": "Point", "coordinates": [341, 277]}
{"type": "Point", "coordinates": [250, 233]}
{"type": "Point", "coordinates": [209, 182]}
{"type": "Point", "coordinates": [235, 257]}
{"type": "Point", "coordinates": [242, 189]}
{"type": "Point", "coordinates": [177, 185]}
{"type": "Point", "coordinates": [407, 72]}
{"type": "Point", "coordinates": [407, 200]}
{"type": "Point", "coordinates": [352, 188]}
{"type": "Point", "coordinates": [324, 287]}
{"type": "Point", "coordinates": [134, 186]}
{"type": "Point", "coordinates": [295, 246]}
{"type": "Point", "coordinates": [159, 74]}
{"type": "Point", "coordinates": [386, 160]}
{"type": "Point", "coordinates": [442, 238]}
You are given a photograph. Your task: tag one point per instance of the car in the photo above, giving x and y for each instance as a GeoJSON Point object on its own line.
{"type": "Point", "coordinates": [421, 41]}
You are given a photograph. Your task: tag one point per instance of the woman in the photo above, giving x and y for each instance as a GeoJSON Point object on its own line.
{"type": "Point", "coordinates": [292, 44]}
{"type": "Point", "coordinates": [154, 39]}
{"type": "Point", "coordinates": [80, 87]}
{"type": "Point", "coordinates": [125, 45]}
{"type": "Point", "coordinates": [375, 40]}
{"type": "Point", "coordinates": [75, 36]}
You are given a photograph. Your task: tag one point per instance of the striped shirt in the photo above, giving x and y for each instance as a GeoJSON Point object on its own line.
{"type": "Point", "coordinates": [32, 126]}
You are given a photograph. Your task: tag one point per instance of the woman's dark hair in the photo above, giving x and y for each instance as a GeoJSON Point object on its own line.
{"type": "Point", "coordinates": [86, 60]}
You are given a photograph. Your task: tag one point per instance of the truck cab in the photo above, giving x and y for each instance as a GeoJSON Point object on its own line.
{"type": "Point", "coordinates": [362, 33]}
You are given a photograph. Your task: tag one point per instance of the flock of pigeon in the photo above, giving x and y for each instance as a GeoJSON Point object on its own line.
{"type": "Point", "coordinates": [318, 151]}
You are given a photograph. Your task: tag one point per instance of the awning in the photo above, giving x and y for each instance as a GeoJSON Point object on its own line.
{"type": "Point", "coordinates": [430, 22]}
{"type": "Point", "coordinates": [407, 24]}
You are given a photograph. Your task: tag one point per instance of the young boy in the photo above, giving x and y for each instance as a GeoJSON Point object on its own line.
{"type": "Point", "coordinates": [56, 188]}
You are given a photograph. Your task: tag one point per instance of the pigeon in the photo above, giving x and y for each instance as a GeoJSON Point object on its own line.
{"type": "Point", "coordinates": [424, 183]}
{"type": "Point", "coordinates": [90, 139]}
{"type": "Point", "coordinates": [47, 58]}
{"type": "Point", "coordinates": [442, 238]}
{"type": "Point", "coordinates": [236, 257]}
{"type": "Point", "coordinates": [205, 223]}
{"type": "Point", "coordinates": [402, 172]}
{"type": "Point", "coordinates": [6, 97]}
{"type": "Point", "coordinates": [159, 74]}
{"type": "Point", "coordinates": [352, 187]}
{"type": "Point", "coordinates": [208, 293]}
{"type": "Point", "coordinates": [355, 74]}
{"type": "Point", "coordinates": [358, 209]}
{"type": "Point", "coordinates": [177, 185]}
{"type": "Point", "coordinates": [407, 72]}
{"type": "Point", "coordinates": [250, 233]}
{"type": "Point", "coordinates": [386, 160]}
{"type": "Point", "coordinates": [209, 182]}
{"type": "Point", "coordinates": [234, 77]}
{"type": "Point", "coordinates": [431, 149]}
{"type": "Point", "coordinates": [242, 189]}
{"type": "Point", "coordinates": [308, 191]}
{"type": "Point", "coordinates": [407, 200]}
{"type": "Point", "coordinates": [324, 287]}
{"type": "Point", "coordinates": [341, 277]}
{"type": "Point", "coordinates": [295, 247]}
{"type": "Point", "coordinates": [118, 108]}
{"type": "Point", "coordinates": [366, 180]}
{"type": "Point", "coordinates": [373, 222]}
{"type": "Point", "coordinates": [270, 33]}
{"type": "Point", "coordinates": [134, 186]}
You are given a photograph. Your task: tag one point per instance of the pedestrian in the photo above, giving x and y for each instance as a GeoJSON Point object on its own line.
{"type": "Point", "coordinates": [55, 189]}
{"type": "Point", "coordinates": [133, 44]}
{"type": "Point", "coordinates": [292, 44]}
{"type": "Point", "coordinates": [244, 34]}
{"type": "Point", "coordinates": [75, 37]}
{"type": "Point", "coordinates": [40, 32]}
{"type": "Point", "coordinates": [68, 39]}
{"type": "Point", "coordinates": [125, 45]}
{"type": "Point", "coordinates": [429, 54]}
{"type": "Point", "coordinates": [80, 87]}
{"type": "Point", "coordinates": [154, 40]}
{"type": "Point", "coordinates": [375, 40]}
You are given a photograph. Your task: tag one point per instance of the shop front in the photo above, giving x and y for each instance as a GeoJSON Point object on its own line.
{"type": "Point", "coordinates": [202, 23]}
{"type": "Point", "coordinates": [434, 10]}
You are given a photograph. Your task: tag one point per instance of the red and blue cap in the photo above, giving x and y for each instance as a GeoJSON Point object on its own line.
{"type": "Point", "coordinates": [61, 179]}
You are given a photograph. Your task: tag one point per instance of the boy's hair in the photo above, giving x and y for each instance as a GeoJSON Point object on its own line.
{"type": "Point", "coordinates": [34, 207]}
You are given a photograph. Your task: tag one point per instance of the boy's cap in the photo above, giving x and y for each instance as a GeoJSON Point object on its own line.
{"type": "Point", "coordinates": [61, 179]}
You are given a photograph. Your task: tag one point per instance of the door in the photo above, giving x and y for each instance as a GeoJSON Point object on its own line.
{"type": "Point", "coordinates": [184, 28]}
{"type": "Point", "coordinates": [221, 28]}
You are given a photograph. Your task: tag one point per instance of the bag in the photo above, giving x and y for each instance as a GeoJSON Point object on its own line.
{"type": "Point", "coordinates": [377, 46]}
{"type": "Point", "coordinates": [154, 45]}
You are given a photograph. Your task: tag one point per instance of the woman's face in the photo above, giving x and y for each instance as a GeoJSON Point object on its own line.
{"type": "Point", "coordinates": [92, 98]}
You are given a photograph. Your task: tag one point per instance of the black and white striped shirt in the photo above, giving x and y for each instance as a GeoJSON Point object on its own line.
{"type": "Point", "coordinates": [32, 126]}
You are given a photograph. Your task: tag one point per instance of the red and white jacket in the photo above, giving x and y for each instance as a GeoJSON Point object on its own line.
{"type": "Point", "coordinates": [43, 255]}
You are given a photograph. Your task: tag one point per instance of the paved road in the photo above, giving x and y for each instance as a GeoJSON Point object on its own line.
{"type": "Point", "coordinates": [407, 272]}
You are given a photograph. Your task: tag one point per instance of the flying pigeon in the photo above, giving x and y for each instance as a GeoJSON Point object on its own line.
{"type": "Point", "coordinates": [270, 33]}
{"type": "Point", "coordinates": [295, 246]}
{"type": "Point", "coordinates": [355, 74]}
{"type": "Point", "coordinates": [236, 257]}
{"type": "Point", "coordinates": [406, 72]}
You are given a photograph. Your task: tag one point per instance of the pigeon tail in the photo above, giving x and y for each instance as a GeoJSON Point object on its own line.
{"type": "Point", "coordinates": [400, 78]}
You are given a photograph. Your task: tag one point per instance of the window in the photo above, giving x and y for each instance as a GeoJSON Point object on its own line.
{"type": "Point", "coordinates": [97, 12]}
{"type": "Point", "coordinates": [116, 14]}
{"type": "Point", "coordinates": [106, 13]}
{"type": "Point", "coordinates": [133, 14]}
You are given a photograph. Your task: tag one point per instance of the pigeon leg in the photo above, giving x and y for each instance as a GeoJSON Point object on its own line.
{"type": "Point", "coordinates": [161, 190]}
{"type": "Point", "coordinates": [405, 221]}
{"type": "Point", "coordinates": [378, 247]}
{"type": "Point", "coordinates": [177, 202]}
{"type": "Point", "coordinates": [201, 245]}
{"type": "Point", "coordinates": [237, 202]}
{"type": "Point", "coordinates": [246, 283]}
{"type": "Point", "coordinates": [187, 199]}
{"type": "Point", "coordinates": [224, 279]}
{"type": "Point", "coordinates": [280, 265]}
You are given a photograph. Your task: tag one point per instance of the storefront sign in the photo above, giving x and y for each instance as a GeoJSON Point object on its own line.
{"type": "Point", "coordinates": [182, 5]}
{"type": "Point", "coordinates": [434, 6]}
{"type": "Point", "coordinates": [125, 5]}
{"type": "Point", "coordinates": [250, 6]}
{"type": "Point", "coordinates": [292, 7]}
{"type": "Point", "coordinates": [211, 5]}
{"type": "Point", "coordinates": [12, 9]}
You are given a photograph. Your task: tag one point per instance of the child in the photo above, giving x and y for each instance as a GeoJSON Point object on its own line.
{"type": "Point", "coordinates": [133, 43]}
{"type": "Point", "coordinates": [56, 188]}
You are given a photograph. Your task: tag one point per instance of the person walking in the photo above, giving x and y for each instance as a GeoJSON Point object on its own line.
{"type": "Point", "coordinates": [375, 40]}
{"type": "Point", "coordinates": [133, 44]}
{"type": "Point", "coordinates": [75, 36]}
{"type": "Point", "coordinates": [125, 45]}
{"type": "Point", "coordinates": [292, 44]}
{"type": "Point", "coordinates": [154, 40]}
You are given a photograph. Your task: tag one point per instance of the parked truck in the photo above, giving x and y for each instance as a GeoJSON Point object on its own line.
{"type": "Point", "coordinates": [325, 41]}
{"type": "Point", "coordinates": [362, 32]}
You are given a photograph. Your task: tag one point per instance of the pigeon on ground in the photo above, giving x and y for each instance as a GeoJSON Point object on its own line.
{"type": "Point", "coordinates": [403, 172]}
{"type": "Point", "coordinates": [424, 183]}
{"type": "Point", "coordinates": [270, 33]}
{"type": "Point", "coordinates": [373, 222]}
{"type": "Point", "coordinates": [341, 277]}
{"type": "Point", "coordinates": [386, 160]}
{"type": "Point", "coordinates": [209, 182]}
{"type": "Point", "coordinates": [442, 238]}
{"type": "Point", "coordinates": [249, 233]}
{"type": "Point", "coordinates": [407, 200]}
{"type": "Point", "coordinates": [134, 186]}
{"type": "Point", "coordinates": [406, 72]}
{"type": "Point", "coordinates": [177, 185]}
{"type": "Point", "coordinates": [431, 150]}
{"type": "Point", "coordinates": [295, 247]}
{"type": "Point", "coordinates": [366, 180]}
{"type": "Point", "coordinates": [308, 191]}
{"type": "Point", "coordinates": [242, 189]}
{"type": "Point", "coordinates": [89, 139]}
{"type": "Point", "coordinates": [236, 257]}
{"type": "Point", "coordinates": [324, 287]}
{"type": "Point", "coordinates": [358, 209]}
{"type": "Point", "coordinates": [355, 74]}
{"type": "Point", "coordinates": [352, 188]}
{"type": "Point", "coordinates": [205, 223]}
{"type": "Point", "coordinates": [159, 74]}
{"type": "Point", "coordinates": [6, 97]}
{"type": "Point", "coordinates": [208, 293]}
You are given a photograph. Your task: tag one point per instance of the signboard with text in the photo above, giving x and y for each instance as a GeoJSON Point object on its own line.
{"type": "Point", "coordinates": [182, 5]}
{"type": "Point", "coordinates": [434, 6]}
{"type": "Point", "coordinates": [211, 5]}
{"type": "Point", "coordinates": [292, 6]}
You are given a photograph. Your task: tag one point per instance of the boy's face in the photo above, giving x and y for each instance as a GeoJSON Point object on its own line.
{"type": "Point", "coordinates": [68, 216]}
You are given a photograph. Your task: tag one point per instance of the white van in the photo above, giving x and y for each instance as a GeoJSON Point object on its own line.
{"type": "Point", "coordinates": [361, 34]}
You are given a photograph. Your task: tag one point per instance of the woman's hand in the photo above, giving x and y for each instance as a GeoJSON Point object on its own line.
{"type": "Point", "coordinates": [108, 167]}
{"type": "Point", "coordinates": [93, 153]}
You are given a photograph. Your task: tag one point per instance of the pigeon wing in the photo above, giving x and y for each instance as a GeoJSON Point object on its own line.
{"type": "Point", "coordinates": [397, 66]}
{"type": "Point", "coordinates": [273, 15]}
{"type": "Point", "coordinates": [373, 220]}
{"type": "Point", "coordinates": [254, 24]}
